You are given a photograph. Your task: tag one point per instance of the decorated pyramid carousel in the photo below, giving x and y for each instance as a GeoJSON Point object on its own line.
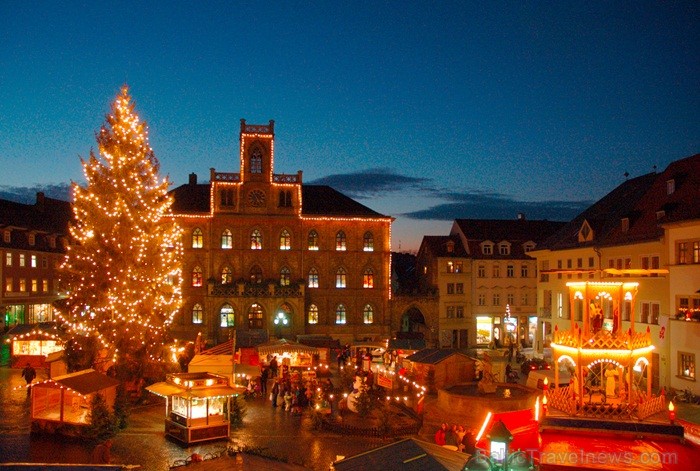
{"type": "Point", "coordinates": [610, 367]}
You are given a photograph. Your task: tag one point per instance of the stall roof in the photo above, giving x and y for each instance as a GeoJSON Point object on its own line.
{"type": "Point", "coordinates": [165, 389]}
{"type": "Point", "coordinates": [408, 454]}
{"type": "Point", "coordinates": [433, 356]}
{"type": "Point", "coordinates": [406, 344]}
{"type": "Point", "coordinates": [85, 381]}
{"type": "Point", "coordinates": [284, 345]}
{"type": "Point", "coordinates": [225, 348]}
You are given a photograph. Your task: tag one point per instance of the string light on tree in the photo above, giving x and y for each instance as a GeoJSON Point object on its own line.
{"type": "Point", "coordinates": [123, 271]}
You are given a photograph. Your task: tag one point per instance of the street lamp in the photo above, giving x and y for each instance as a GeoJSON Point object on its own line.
{"type": "Point", "coordinates": [280, 321]}
{"type": "Point", "coordinates": [500, 438]}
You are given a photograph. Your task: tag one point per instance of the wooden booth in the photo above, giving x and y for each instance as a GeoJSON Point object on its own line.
{"type": "Point", "coordinates": [292, 354]}
{"type": "Point", "coordinates": [66, 400]}
{"type": "Point", "coordinates": [196, 405]}
{"type": "Point", "coordinates": [438, 368]}
{"type": "Point", "coordinates": [33, 343]}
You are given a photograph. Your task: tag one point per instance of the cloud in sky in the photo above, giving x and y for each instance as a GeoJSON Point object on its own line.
{"type": "Point", "coordinates": [465, 204]}
{"type": "Point", "coordinates": [373, 183]}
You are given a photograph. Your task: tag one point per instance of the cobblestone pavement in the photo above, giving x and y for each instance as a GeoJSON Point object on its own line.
{"type": "Point", "coordinates": [278, 432]}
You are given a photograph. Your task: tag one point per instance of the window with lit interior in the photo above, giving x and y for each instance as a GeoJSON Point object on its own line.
{"type": "Point", "coordinates": [197, 314]}
{"type": "Point", "coordinates": [226, 276]}
{"type": "Point", "coordinates": [255, 316]}
{"type": "Point", "coordinates": [312, 315]}
{"type": "Point", "coordinates": [340, 314]}
{"type": "Point", "coordinates": [368, 314]}
{"type": "Point", "coordinates": [368, 244]}
{"type": "Point", "coordinates": [368, 278]}
{"type": "Point", "coordinates": [256, 275]}
{"type": "Point", "coordinates": [313, 240]}
{"type": "Point", "coordinates": [285, 240]}
{"type": "Point", "coordinates": [256, 240]}
{"type": "Point", "coordinates": [313, 278]}
{"type": "Point", "coordinates": [285, 276]}
{"type": "Point", "coordinates": [197, 238]}
{"type": "Point", "coordinates": [197, 277]}
{"type": "Point", "coordinates": [227, 316]}
{"type": "Point", "coordinates": [341, 278]}
{"type": "Point", "coordinates": [686, 365]}
{"type": "Point", "coordinates": [226, 240]}
{"type": "Point", "coordinates": [340, 241]}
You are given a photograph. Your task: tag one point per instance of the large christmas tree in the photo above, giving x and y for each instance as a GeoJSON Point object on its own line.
{"type": "Point", "coordinates": [123, 272]}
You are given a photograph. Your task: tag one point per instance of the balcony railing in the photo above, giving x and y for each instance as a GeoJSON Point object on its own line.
{"type": "Point", "coordinates": [257, 290]}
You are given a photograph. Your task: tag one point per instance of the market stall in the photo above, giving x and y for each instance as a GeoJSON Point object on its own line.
{"type": "Point", "coordinates": [67, 399]}
{"type": "Point", "coordinates": [292, 354]}
{"type": "Point", "coordinates": [196, 405]}
{"type": "Point", "coordinates": [32, 343]}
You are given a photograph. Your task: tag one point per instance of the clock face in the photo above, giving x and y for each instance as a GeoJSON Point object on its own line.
{"type": "Point", "coordinates": [256, 198]}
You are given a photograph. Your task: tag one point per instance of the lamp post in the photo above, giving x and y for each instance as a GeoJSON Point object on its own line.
{"type": "Point", "coordinates": [500, 438]}
{"type": "Point", "coordinates": [280, 321]}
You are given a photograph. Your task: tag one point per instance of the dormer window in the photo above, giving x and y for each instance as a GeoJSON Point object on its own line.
{"type": "Point", "coordinates": [585, 234]}
{"type": "Point", "coordinates": [660, 214]}
{"type": "Point", "coordinates": [670, 187]}
{"type": "Point", "coordinates": [504, 248]}
{"type": "Point", "coordinates": [625, 224]}
{"type": "Point", "coordinates": [450, 246]}
{"type": "Point", "coordinates": [52, 242]}
{"type": "Point", "coordinates": [487, 248]}
{"type": "Point", "coordinates": [528, 246]}
{"type": "Point", "coordinates": [7, 237]}
{"type": "Point", "coordinates": [32, 239]}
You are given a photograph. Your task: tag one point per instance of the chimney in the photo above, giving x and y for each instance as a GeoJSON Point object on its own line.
{"type": "Point", "coordinates": [521, 216]}
{"type": "Point", "coordinates": [193, 178]}
{"type": "Point", "coordinates": [40, 200]}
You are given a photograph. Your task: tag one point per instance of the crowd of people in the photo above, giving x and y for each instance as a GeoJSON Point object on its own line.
{"type": "Point", "coordinates": [457, 437]}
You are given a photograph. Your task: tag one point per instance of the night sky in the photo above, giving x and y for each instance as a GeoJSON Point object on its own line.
{"type": "Point", "coordinates": [425, 111]}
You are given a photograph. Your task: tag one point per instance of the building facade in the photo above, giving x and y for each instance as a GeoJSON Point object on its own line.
{"type": "Point", "coordinates": [486, 279]}
{"type": "Point", "coordinates": [646, 231]}
{"type": "Point", "coordinates": [266, 255]}
{"type": "Point", "coordinates": [33, 239]}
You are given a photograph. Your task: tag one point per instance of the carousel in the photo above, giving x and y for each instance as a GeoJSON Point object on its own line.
{"type": "Point", "coordinates": [610, 367]}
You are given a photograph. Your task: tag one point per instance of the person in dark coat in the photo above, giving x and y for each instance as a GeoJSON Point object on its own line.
{"type": "Point", "coordinates": [28, 373]}
{"type": "Point", "coordinates": [101, 454]}
{"type": "Point", "coordinates": [264, 376]}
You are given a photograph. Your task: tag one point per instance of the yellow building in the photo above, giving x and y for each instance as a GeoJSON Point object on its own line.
{"type": "Point", "coordinates": [269, 256]}
{"type": "Point", "coordinates": [630, 235]}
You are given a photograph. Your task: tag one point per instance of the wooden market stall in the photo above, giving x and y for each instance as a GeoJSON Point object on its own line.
{"type": "Point", "coordinates": [438, 368]}
{"type": "Point", "coordinates": [32, 343]}
{"type": "Point", "coordinates": [292, 354]}
{"type": "Point", "coordinates": [67, 399]}
{"type": "Point", "coordinates": [196, 405]}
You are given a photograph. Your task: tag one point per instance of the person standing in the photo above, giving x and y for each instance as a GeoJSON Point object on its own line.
{"type": "Point", "coordinates": [275, 392]}
{"type": "Point", "coordinates": [264, 375]}
{"type": "Point", "coordinates": [273, 366]}
{"type": "Point", "coordinates": [29, 373]}
{"type": "Point", "coordinates": [101, 454]}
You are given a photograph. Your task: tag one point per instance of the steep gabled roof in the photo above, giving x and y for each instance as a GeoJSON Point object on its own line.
{"type": "Point", "coordinates": [191, 198]}
{"type": "Point", "coordinates": [438, 246]}
{"type": "Point", "coordinates": [407, 455]}
{"type": "Point", "coordinates": [644, 201]}
{"type": "Point", "coordinates": [322, 200]}
{"type": "Point", "coordinates": [515, 231]}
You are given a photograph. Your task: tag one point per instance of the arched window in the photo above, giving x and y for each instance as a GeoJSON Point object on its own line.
{"type": "Point", "coordinates": [256, 275]}
{"type": "Point", "coordinates": [226, 240]}
{"type": "Point", "coordinates": [256, 160]}
{"type": "Point", "coordinates": [285, 276]}
{"type": "Point", "coordinates": [255, 316]}
{"type": "Point", "coordinates": [256, 240]}
{"type": "Point", "coordinates": [313, 278]}
{"type": "Point", "coordinates": [197, 238]}
{"type": "Point", "coordinates": [368, 244]}
{"type": "Point", "coordinates": [340, 241]}
{"type": "Point", "coordinates": [197, 277]}
{"type": "Point", "coordinates": [368, 314]}
{"type": "Point", "coordinates": [341, 278]}
{"type": "Point", "coordinates": [368, 278]}
{"type": "Point", "coordinates": [313, 240]}
{"type": "Point", "coordinates": [312, 315]}
{"type": "Point", "coordinates": [285, 240]}
{"type": "Point", "coordinates": [227, 316]}
{"type": "Point", "coordinates": [340, 314]}
{"type": "Point", "coordinates": [226, 276]}
{"type": "Point", "coordinates": [197, 313]}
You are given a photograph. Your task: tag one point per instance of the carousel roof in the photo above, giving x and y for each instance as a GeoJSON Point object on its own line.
{"type": "Point", "coordinates": [284, 345]}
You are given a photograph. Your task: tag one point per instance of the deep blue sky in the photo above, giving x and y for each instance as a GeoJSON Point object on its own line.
{"type": "Point", "coordinates": [426, 111]}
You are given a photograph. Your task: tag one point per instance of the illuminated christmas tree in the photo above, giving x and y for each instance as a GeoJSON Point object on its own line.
{"type": "Point", "coordinates": [123, 272]}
